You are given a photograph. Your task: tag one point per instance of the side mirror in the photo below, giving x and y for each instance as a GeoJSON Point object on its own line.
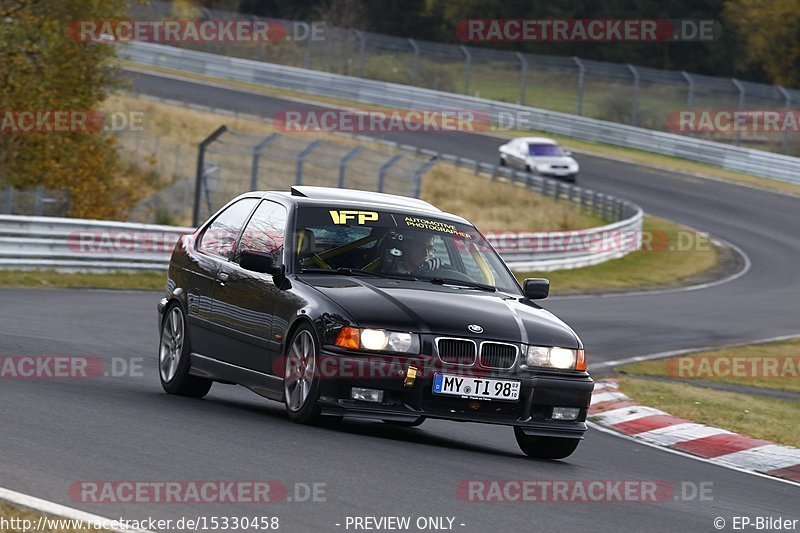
{"type": "Point", "coordinates": [258, 262]}
{"type": "Point", "coordinates": [536, 288]}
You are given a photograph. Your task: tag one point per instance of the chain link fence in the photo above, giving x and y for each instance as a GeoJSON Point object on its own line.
{"type": "Point", "coordinates": [615, 92]}
{"type": "Point", "coordinates": [236, 162]}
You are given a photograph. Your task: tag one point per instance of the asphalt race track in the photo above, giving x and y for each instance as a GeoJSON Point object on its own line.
{"type": "Point", "coordinates": [55, 433]}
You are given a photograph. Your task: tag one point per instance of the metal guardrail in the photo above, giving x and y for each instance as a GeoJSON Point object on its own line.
{"type": "Point", "coordinates": [756, 162]}
{"type": "Point", "coordinates": [621, 93]}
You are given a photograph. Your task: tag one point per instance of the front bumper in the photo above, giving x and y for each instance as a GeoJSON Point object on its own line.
{"type": "Point", "coordinates": [539, 393]}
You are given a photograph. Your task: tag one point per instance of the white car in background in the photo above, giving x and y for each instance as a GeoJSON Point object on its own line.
{"type": "Point", "coordinates": [539, 155]}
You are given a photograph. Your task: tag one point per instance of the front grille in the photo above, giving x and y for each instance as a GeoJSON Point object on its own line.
{"type": "Point", "coordinates": [498, 355]}
{"type": "Point", "coordinates": [456, 351]}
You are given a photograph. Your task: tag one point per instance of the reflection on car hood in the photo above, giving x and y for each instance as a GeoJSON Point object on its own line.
{"type": "Point", "coordinates": [426, 308]}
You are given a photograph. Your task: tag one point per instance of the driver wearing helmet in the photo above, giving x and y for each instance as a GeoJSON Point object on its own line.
{"type": "Point", "coordinates": [418, 253]}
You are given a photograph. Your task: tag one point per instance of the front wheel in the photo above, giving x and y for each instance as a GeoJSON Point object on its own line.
{"type": "Point", "coordinates": [502, 161]}
{"type": "Point", "coordinates": [545, 447]}
{"type": "Point", "coordinates": [173, 357]}
{"type": "Point", "coordinates": [301, 379]}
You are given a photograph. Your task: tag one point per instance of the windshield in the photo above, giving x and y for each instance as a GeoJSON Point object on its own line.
{"type": "Point", "coordinates": [397, 244]}
{"type": "Point", "coordinates": [545, 149]}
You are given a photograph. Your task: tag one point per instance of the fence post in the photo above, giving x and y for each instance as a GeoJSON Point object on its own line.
{"type": "Point", "coordinates": [37, 205]}
{"type": "Point", "coordinates": [740, 88]}
{"type": "Point", "coordinates": [635, 105]}
{"type": "Point", "coordinates": [788, 98]}
{"type": "Point", "coordinates": [581, 80]}
{"type": "Point", "coordinates": [523, 77]}
{"type": "Point", "coordinates": [384, 169]}
{"type": "Point", "coordinates": [8, 201]}
{"type": "Point", "coordinates": [301, 158]}
{"type": "Point", "coordinates": [257, 156]}
{"type": "Point", "coordinates": [201, 157]}
{"type": "Point", "coordinates": [689, 89]}
{"type": "Point", "coordinates": [362, 51]}
{"type": "Point", "coordinates": [467, 67]}
{"type": "Point", "coordinates": [421, 172]}
{"type": "Point", "coordinates": [343, 163]}
{"type": "Point", "coordinates": [415, 64]}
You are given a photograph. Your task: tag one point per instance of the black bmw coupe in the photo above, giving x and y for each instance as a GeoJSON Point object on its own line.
{"type": "Point", "coordinates": [350, 303]}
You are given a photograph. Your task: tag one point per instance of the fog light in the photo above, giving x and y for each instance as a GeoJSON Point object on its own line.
{"type": "Point", "coordinates": [566, 413]}
{"type": "Point", "coordinates": [366, 395]}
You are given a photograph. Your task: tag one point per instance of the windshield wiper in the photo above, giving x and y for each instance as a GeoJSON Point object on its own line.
{"type": "Point", "coordinates": [355, 272]}
{"type": "Point", "coordinates": [462, 283]}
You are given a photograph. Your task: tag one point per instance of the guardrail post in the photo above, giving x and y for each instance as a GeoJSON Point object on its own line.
{"type": "Point", "coordinates": [256, 158]}
{"type": "Point", "coordinates": [343, 163]}
{"type": "Point", "coordinates": [689, 89]}
{"type": "Point", "coordinates": [523, 77]}
{"type": "Point", "coordinates": [415, 64]}
{"type": "Point", "coordinates": [201, 157]}
{"type": "Point", "coordinates": [301, 158]}
{"type": "Point", "coordinates": [788, 98]}
{"type": "Point", "coordinates": [635, 104]}
{"type": "Point", "coordinates": [384, 169]}
{"type": "Point", "coordinates": [362, 51]}
{"type": "Point", "coordinates": [467, 67]}
{"type": "Point", "coordinates": [421, 172]}
{"type": "Point", "coordinates": [581, 81]}
{"type": "Point", "coordinates": [8, 200]}
{"type": "Point", "coordinates": [740, 88]}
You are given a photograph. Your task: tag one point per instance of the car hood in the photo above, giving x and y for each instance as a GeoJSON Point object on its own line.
{"type": "Point", "coordinates": [423, 307]}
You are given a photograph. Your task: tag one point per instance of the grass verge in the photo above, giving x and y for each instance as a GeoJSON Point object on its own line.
{"type": "Point", "coordinates": [22, 519]}
{"type": "Point", "coordinates": [773, 365]}
{"type": "Point", "coordinates": [755, 416]}
{"type": "Point", "coordinates": [675, 164]}
{"type": "Point", "coordinates": [666, 264]}
{"type": "Point", "coordinates": [50, 279]}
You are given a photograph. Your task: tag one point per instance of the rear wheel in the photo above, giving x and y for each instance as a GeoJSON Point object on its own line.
{"type": "Point", "coordinates": [545, 447]}
{"type": "Point", "coordinates": [173, 357]}
{"type": "Point", "coordinates": [301, 379]}
{"type": "Point", "coordinates": [502, 161]}
{"type": "Point", "coordinates": [406, 424]}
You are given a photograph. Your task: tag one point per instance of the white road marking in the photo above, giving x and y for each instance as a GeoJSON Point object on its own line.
{"type": "Point", "coordinates": [625, 414]}
{"type": "Point", "coordinates": [763, 458]}
{"type": "Point", "coordinates": [44, 506]}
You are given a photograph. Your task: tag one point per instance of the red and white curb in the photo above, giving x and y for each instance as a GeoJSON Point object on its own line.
{"type": "Point", "coordinates": [613, 410]}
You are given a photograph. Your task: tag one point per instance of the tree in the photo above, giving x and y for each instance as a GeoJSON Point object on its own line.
{"type": "Point", "coordinates": [46, 69]}
{"type": "Point", "coordinates": [770, 33]}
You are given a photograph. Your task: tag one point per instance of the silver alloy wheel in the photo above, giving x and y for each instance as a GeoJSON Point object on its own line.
{"type": "Point", "coordinates": [300, 369]}
{"type": "Point", "coordinates": [171, 347]}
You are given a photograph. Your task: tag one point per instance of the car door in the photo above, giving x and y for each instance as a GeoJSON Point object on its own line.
{"type": "Point", "coordinates": [243, 309]}
{"type": "Point", "coordinates": [517, 158]}
{"type": "Point", "coordinates": [214, 245]}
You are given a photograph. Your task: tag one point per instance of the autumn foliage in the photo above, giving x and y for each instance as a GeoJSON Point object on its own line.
{"type": "Point", "coordinates": [43, 69]}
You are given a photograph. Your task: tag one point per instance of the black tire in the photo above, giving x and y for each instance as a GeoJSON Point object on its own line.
{"type": "Point", "coordinates": [571, 179]}
{"type": "Point", "coordinates": [528, 168]}
{"type": "Point", "coordinates": [175, 343]}
{"type": "Point", "coordinates": [307, 410]}
{"type": "Point", "coordinates": [545, 447]}
{"type": "Point", "coordinates": [404, 424]}
{"type": "Point", "coordinates": [502, 161]}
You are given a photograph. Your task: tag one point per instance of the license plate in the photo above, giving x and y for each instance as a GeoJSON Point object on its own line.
{"type": "Point", "coordinates": [480, 388]}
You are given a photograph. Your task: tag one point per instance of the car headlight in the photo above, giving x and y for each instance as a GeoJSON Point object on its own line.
{"type": "Point", "coordinates": [555, 357]}
{"type": "Point", "coordinates": [378, 340]}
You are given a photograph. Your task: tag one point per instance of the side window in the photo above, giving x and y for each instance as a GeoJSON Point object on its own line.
{"type": "Point", "coordinates": [220, 236]}
{"type": "Point", "coordinates": [266, 230]}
